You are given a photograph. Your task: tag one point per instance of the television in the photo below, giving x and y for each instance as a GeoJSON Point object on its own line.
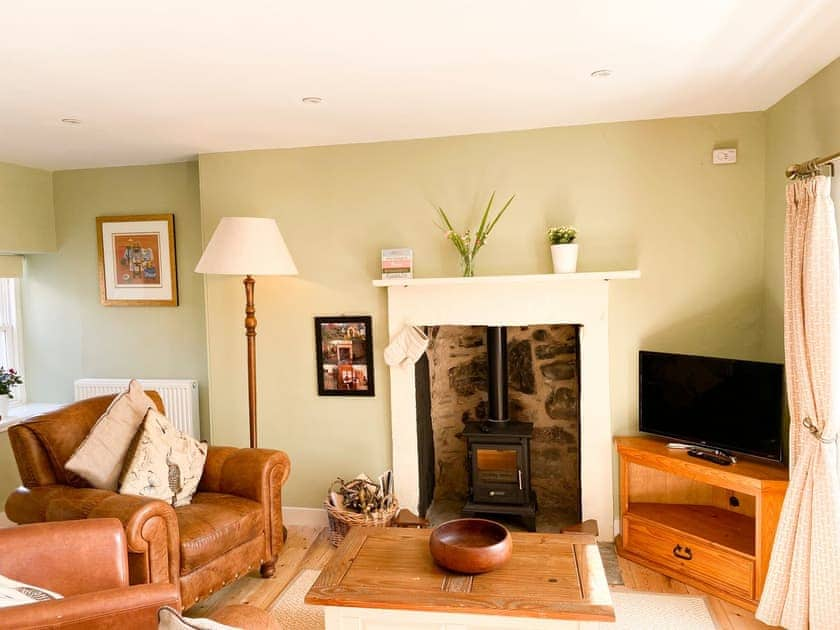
{"type": "Point", "coordinates": [719, 403]}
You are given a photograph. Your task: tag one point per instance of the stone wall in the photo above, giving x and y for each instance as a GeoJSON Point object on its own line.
{"type": "Point", "coordinates": [543, 389]}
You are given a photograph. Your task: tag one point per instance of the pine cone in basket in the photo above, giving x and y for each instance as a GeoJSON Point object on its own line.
{"type": "Point", "coordinates": [360, 495]}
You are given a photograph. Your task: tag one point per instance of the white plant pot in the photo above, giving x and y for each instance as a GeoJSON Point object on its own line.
{"type": "Point", "coordinates": [4, 405]}
{"type": "Point", "coordinates": [564, 257]}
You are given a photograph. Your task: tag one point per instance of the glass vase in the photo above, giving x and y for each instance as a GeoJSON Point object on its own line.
{"type": "Point", "coordinates": [468, 265]}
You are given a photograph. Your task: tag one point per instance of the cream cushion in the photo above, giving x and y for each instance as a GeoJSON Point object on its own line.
{"type": "Point", "coordinates": [169, 619]}
{"type": "Point", "coordinates": [164, 463]}
{"type": "Point", "coordinates": [99, 458]}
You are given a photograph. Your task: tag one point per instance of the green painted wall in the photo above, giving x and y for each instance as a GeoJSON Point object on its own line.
{"type": "Point", "coordinates": [68, 333]}
{"type": "Point", "coordinates": [26, 213]}
{"type": "Point", "coordinates": [803, 125]}
{"type": "Point", "coordinates": [26, 210]}
{"type": "Point", "coordinates": [643, 194]}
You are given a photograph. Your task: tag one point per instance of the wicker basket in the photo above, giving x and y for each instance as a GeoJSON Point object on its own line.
{"type": "Point", "coordinates": [342, 520]}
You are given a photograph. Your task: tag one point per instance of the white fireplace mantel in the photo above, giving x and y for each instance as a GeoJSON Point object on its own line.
{"type": "Point", "coordinates": [525, 278]}
{"type": "Point", "coordinates": [516, 300]}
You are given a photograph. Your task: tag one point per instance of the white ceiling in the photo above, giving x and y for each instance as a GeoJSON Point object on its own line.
{"type": "Point", "coordinates": [158, 81]}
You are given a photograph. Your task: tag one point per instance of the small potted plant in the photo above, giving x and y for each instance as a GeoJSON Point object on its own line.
{"type": "Point", "coordinates": [8, 380]}
{"type": "Point", "coordinates": [564, 250]}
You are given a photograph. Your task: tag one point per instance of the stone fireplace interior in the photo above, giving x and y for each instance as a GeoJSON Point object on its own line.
{"type": "Point", "coordinates": [451, 388]}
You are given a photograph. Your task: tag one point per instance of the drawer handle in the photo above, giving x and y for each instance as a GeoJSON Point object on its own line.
{"type": "Point", "coordinates": [682, 556]}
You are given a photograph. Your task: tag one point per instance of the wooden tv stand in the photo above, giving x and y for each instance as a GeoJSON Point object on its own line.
{"type": "Point", "coordinates": [707, 525]}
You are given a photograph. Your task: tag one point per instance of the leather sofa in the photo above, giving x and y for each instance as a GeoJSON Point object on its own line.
{"type": "Point", "coordinates": [86, 563]}
{"type": "Point", "coordinates": [233, 525]}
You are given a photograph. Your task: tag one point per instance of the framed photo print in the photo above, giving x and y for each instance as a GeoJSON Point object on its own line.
{"type": "Point", "coordinates": [344, 355]}
{"type": "Point", "coordinates": [137, 260]}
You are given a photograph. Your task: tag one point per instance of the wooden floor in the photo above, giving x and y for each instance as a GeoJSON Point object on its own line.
{"type": "Point", "coordinates": [308, 548]}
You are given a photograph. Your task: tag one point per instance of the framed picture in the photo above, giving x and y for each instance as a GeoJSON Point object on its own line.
{"type": "Point", "coordinates": [137, 260]}
{"type": "Point", "coordinates": [344, 355]}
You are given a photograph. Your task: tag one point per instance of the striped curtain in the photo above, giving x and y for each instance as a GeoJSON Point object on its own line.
{"type": "Point", "coordinates": [801, 590]}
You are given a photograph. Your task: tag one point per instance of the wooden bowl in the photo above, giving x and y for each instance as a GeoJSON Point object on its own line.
{"type": "Point", "coordinates": [470, 545]}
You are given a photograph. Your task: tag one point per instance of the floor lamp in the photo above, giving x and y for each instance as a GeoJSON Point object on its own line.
{"type": "Point", "coordinates": [246, 246]}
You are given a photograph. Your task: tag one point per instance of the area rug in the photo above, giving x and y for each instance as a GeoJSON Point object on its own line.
{"type": "Point", "coordinates": [634, 610]}
{"type": "Point", "coordinates": [289, 609]}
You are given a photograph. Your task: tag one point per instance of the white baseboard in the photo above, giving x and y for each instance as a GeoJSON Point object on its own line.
{"type": "Point", "coordinates": [304, 516]}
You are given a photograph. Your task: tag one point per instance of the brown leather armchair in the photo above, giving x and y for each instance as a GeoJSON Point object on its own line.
{"type": "Point", "coordinates": [86, 563]}
{"type": "Point", "coordinates": [233, 525]}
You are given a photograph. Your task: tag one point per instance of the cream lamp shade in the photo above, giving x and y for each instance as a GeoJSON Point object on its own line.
{"type": "Point", "coordinates": [247, 246]}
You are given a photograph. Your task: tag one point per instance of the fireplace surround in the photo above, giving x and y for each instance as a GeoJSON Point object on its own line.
{"type": "Point", "coordinates": [578, 299]}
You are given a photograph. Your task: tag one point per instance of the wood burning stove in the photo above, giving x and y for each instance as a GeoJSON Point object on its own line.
{"type": "Point", "coordinates": [499, 449]}
{"type": "Point", "coordinates": [500, 471]}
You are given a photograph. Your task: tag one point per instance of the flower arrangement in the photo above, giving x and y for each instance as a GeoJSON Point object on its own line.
{"type": "Point", "coordinates": [8, 379]}
{"type": "Point", "coordinates": [562, 235]}
{"type": "Point", "coordinates": [468, 243]}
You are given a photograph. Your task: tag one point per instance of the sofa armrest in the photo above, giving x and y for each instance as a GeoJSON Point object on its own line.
{"type": "Point", "coordinates": [126, 607]}
{"type": "Point", "coordinates": [151, 528]}
{"type": "Point", "coordinates": [52, 503]}
{"type": "Point", "coordinates": [151, 531]}
{"type": "Point", "coordinates": [51, 555]}
{"type": "Point", "coordinates": [244, 472]}
{"type": "Point", "coordinates": [257, 474]}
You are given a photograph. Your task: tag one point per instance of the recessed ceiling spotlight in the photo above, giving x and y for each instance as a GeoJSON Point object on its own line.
{"type": "Point", "coordinates": [312, 100]}
{"type": "Point", "coordinates": [71, 121]}
{"type": "Point", "coordinates": [601, 74]}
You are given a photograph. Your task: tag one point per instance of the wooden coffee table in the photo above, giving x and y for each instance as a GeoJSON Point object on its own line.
{"type": "Point", "coordinates": [386, 578]}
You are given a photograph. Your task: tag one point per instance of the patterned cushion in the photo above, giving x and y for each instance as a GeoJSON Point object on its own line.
{"type": "Point", "coordinates": [99, 458]}
{"type": "Point", "coordinates": [14, 593]}
{"type": "Point", "coordinates": [163, 463]}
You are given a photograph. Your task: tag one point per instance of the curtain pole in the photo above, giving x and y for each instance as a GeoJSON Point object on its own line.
{"type": "Point", "coordinates": [811, 166]}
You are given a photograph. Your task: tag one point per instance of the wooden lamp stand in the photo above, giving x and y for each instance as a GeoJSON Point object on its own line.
{"type": "Point", "coordinates": [251, 335]}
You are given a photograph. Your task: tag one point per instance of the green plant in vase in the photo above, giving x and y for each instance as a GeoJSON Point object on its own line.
{"type": "Point", "coordinates": [9, 379]}
{"type": "Point", "coordinates": [468, 243]}
{"type": "Point", "coordinates": [564, 250]}
{"type": "Point", "coordinates": [562, 235]}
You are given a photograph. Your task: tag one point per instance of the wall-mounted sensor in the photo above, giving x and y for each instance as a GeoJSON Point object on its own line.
{"type": "Point", "coordinates": [724, 156]}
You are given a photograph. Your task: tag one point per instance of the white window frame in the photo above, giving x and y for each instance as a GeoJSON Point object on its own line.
{"type": "Point", "coordinates": [14, 338]}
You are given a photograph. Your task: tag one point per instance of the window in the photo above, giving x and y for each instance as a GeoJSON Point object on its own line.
{"type": "Point", "coordinates": [11, 338]}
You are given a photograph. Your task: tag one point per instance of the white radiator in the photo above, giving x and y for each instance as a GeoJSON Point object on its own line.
{"type": "Point", "coordinates": [180, 397]}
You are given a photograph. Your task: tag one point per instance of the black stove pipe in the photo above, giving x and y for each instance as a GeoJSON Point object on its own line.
{"type": "Point", "coordinates": [497, 374]}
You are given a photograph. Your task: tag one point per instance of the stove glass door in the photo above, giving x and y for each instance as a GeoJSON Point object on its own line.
{"type": "Point", "coordinates": [497, 465]}
{"type": "Point", "coordinates": [497, 473]}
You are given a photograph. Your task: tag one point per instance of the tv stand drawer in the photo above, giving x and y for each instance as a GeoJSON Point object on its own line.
{"type": "Point", "coordinates": [689, 555]}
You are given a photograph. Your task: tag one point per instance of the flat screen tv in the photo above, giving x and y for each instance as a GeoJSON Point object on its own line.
{"type": "Point", "coordinates": [721, 403]}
